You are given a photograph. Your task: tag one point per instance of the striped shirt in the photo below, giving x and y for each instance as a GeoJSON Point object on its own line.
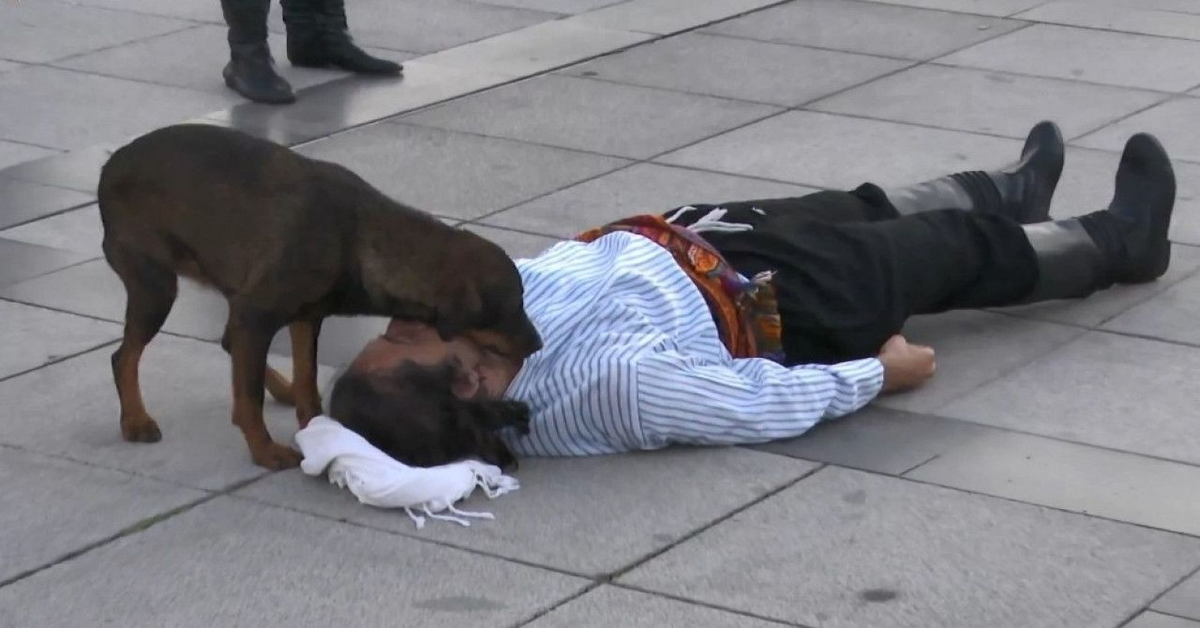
{"type": "Point", "coordinates": [632, 360]}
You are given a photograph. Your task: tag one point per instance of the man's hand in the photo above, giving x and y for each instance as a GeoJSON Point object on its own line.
{"type": "Point", "coordinates": [905, 366]}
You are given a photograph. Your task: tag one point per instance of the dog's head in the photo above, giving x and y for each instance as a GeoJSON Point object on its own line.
{"type": "Point", "coordinates": [411, 413]}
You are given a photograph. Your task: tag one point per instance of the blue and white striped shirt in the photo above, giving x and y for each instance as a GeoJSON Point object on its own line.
{"type": "Point", "coordinates": [632, 360]}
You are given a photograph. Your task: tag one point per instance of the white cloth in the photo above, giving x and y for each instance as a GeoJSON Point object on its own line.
{"type": "Point", "coordinates": [377, 479]}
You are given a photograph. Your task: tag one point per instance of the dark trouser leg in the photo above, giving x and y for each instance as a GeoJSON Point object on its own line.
{"type": "Point", "coordinates": [867, 203]}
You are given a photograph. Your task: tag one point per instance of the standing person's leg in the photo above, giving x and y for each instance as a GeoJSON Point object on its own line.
{"type": "Point", "coordinates": [318, 36]}
{"type": "Point", "coordinates": [251, 70]}
{"type": "Point", "coordinates": [845, 289]}
{"type": "Point", "coordinates": [1021, 191]}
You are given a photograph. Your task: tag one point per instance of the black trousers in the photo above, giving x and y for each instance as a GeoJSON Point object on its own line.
{"type": "Point", "coordinates": [850, 271]}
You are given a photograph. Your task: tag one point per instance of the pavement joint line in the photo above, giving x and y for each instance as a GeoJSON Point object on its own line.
{"type": "Point", "coordinates": [592, 586]}
{"type": "Point", "coordinates": [1061, 79]}
{"type": "Point", "coordinates": [790, 44]}
{"type": "Point", "coordinates": [25, 143]}
{"type": "Point", "coordinates": [717, 607]}
{"type": "Point", "coordinates": [93, 465]}
{"type": "Point", "coordinates": [129, 530]}
{"type": "Point", "coordinates": [1120, 119]}
{"type": "Point", "coordinates": [1151, 603]}
{"type": "Point", "coordinates": [197, 22]}
{"type": "Point", "coordinates": [1102, 28]}
{"type": "Point", "coordinates": [54, 213]}
{"type": "Point", "coordinates": [61, 358]}
{"type": "Point", "coordinates": [184, 27]}
{"type": "Point", "coordinates": [919, 464]}
{"type": "Point", "coordinates": [140, 81]}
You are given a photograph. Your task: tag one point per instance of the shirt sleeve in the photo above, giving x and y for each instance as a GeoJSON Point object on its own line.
{"type": "Point", "coordinates": [682, 400]}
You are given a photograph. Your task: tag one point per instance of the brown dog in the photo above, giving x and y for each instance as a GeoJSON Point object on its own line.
{"type": "Point", "coordinates": [288, 241]}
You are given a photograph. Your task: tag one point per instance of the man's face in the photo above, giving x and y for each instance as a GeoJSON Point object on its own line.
{"type": "Point", "coordinates": [481, 372]}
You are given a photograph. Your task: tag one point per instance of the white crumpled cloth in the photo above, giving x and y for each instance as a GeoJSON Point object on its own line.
{"type": "Point", "coordinates": [377, 479]}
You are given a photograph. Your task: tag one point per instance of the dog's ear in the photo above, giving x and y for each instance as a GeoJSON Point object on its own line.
{"type": "Point", "coordinates": [460, 307]}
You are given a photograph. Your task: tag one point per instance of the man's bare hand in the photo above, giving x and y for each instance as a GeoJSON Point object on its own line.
{"type": "Point", "coordinates": [905, 366]}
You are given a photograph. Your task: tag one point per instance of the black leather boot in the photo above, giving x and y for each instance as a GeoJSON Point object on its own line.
{"type": "Point", "coordinates": [251, 71]}
{"type": "Point", "coordinates": [1127, 243]}
{"type": "Point", "coordinates": [1021, 191]}
{"type": "Point", "coordinates": [318, 36]}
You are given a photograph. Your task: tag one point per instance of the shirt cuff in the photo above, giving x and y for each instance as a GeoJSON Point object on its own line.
{"type": "Point", "coordinates": [866, 376]}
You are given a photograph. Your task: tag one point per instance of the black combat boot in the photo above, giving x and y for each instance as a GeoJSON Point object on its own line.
{"type": "Point", "coordinates": [318, 37]}
{"type": "Point", "coordinates": [251, 71]}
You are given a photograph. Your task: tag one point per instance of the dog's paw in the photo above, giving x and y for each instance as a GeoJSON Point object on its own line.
{"type": "Point", "coordinates": [140, 430]}
{"type": "Point", "coordinates": [276, 457]}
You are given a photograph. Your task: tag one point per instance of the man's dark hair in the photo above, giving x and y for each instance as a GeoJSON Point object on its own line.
{"type": "Point", "coordinates": [411, 413]}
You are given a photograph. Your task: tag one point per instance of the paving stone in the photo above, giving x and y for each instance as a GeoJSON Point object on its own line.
{"type": "Point", "coordinates": [192, 10]}
{"type": "Point", "coordinates": [335, 106]}
{"type": "Point", "coordinates": [988, 102]}
{"type": "Point", "coordinates": [639, 189]}
{"type": "Point", "coordinates": [1158, 620]}
{"type": "Point", "coordinates": [33, 336]}
{"type": "Point", "coordinates": [1112, 391]}
{"type": "Point", "coordinates": [517, 244]}
{"type": "Point", "coordinates": [428, 25]}
{"type": "Point", "coordinates": [998, 8]}
{"type": "Point", "coordinates": [93, 289]}
{"type": "Point", "coordinates": [845, 548]}
{"type": "Point", "coordinates": [878, 438]}
{"type": "Point", "coordinates": [1083, 54]}
{"type": "Point", "coordinates": [1170, 122]}
{"type": "Point", "coordinates": [24, 201]}
{"type": "Point", "coordinates": [1176, 6]}
{"type": "Point", "coordinates": [669, 16]}
{"type": "Point", "coordinates": [1100, 308]}
{"type": "Point", "coordinates": [610, 511]}
{"type": "Point", "coordinates": [52, 107]}
{"type": "Point", "coordinates": [613, 606]}
{"type": "Point", "coordinates": [589, 115]}
{"type": "Point", "coordinates": [50, 508]}
{"type": "Point", "coordinates": [1183, 600]}
{"type": "Point", "coordinates": [974, 348]}
{"type": "Point", "coordinates": [824, 150]}
{"type": "Point", "coordinates": [186, 387]}
{"type": "Point", "coordinates": [75, 170]}
{"type": "Point", "coordinates": [12, 153]}
{"type": "Point", "coordinates": [555, 6]}
{"type": "Point", "coordinates": [5, 66]}
{"type": "Point", "coordinates": [228, 563]}
{"type": "Point", "coordinates": [535, 49]}
{"type": "Point", "coordinates": [193, 59]}
{"type": "Point", "coordinates": [20, 261]}
{"type": "Point", "coordinates": [738, 68]}
{"type": "Point", "coordinates": [1120, 18]}
{"type": "Point", "coordinates": [37, 32]}
{"type": "Point", "coordinates": [1169, 315]}
{"type": "Point", "coordinates": [866, 27]}
{"type": "Point", "coordinates": [1073, 477]}
{"type": "Point", "coordinates": [456, 174]}
{"type": "Point", "coordinates": [78, 230]}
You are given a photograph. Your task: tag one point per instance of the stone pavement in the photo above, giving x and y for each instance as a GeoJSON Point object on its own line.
{"type": "Point", "coordinates": [1049, 476]}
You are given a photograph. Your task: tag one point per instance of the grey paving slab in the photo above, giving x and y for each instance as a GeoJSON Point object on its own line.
{"type": "Point", "coordinates": [456, 174]}
{"type": "Point", "coordinates": [609, 511]}
{"type": "Point", "coordinates": [1079, 478]}
{"type": "Point", "coordinates": [78, 230]}
{"type": "Point", "coordinates": [1112, 391]}
{"type": "Point", "coordinates": [1176, 6]}
{"type": "Point", "coordinates": [555, 6]}
{"type": "Point", "coordinates": [613, 606]}
{"type": "Point", "coordinates": [879, 439]}
{"type": "Point", "coordinates": [845, 548]}
{"type": "Point", "coordinates": [974, 348]}
{"type": "Point", "coordinates": [37, 32]}
{"type": "Point", "coordinates": [988, 102]}
{"type": "Point", "coordinates": [1129, 19]}
{"type": "Point", "coordinates": [1151, 619]}
{"type": "Point", "coordinates": [1169, 315]}
{"type": "Point", "coordinates": [231, 563]}
{"type": "Point", "coordinates": [22, 201]}
{"type": "Point", "coordinates": [57, 108]}
{"type": "Point", "coordinates": [51, 507]}
{"type": "Point", "coordinates": [186, 387]}
{"type": "Point", "coordinates": [981, 7]}
{"type": "Point", "coordinates": [20, 261]}
{"type": "Point", "coordinates": [1170, 122]}
{"type": "Point", "coordinates": [12, 153]}
{"type": "Point", "coordinates": [577, 113]}
{"type": "Point", "coordinates": [93, 289]}
{"type": "Point", "coordinates": [743, 69]}
{"type": "Point", "coordinates": [517, 244]}
{"type": "Point", "coordinates": [640, 189]}
{"type": "Point", "coordinates": [866, 27]}
{"type": "Point", "coordinates": [538, 48]}
{"type": "Point", "coordinates": [9, 65]}
{"type": "Point", "coordinates": [669, 16]}
{"type": "Point", "coordinates": [1084, 54]}
{"type": "Point", "coordinates": [352, 101]}
{"type": "Point", "coordinates": [192, 10]}
{"type": "Point", "coordinates": [194, 58]}
{"type": "Point", "coordinates": [1183, 600]}
{"type": "Point", "coordinates": [826, 150]}
{"type": "Point", "coordinates": [75, 170]}
{"type": "Point", "coordinates": [33, 336]}
{"type": "Point", "coordinates": [428, 25]}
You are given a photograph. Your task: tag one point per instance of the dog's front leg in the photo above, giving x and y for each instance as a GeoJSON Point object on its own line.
{"type": "Point", "coordinates": [249, 339]}
{"type": "Point", "coordinates": [304, 369]}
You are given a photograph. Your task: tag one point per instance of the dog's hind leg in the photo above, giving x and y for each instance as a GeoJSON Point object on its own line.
{"type": "Point", "coordinates": [249, 338]}
{"type": "Point", "coordinates": [304, 335]}
{"type": "Point", "coordinates": [150, 289]}
{"type": "Point", "coordinates": [278, 385]}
